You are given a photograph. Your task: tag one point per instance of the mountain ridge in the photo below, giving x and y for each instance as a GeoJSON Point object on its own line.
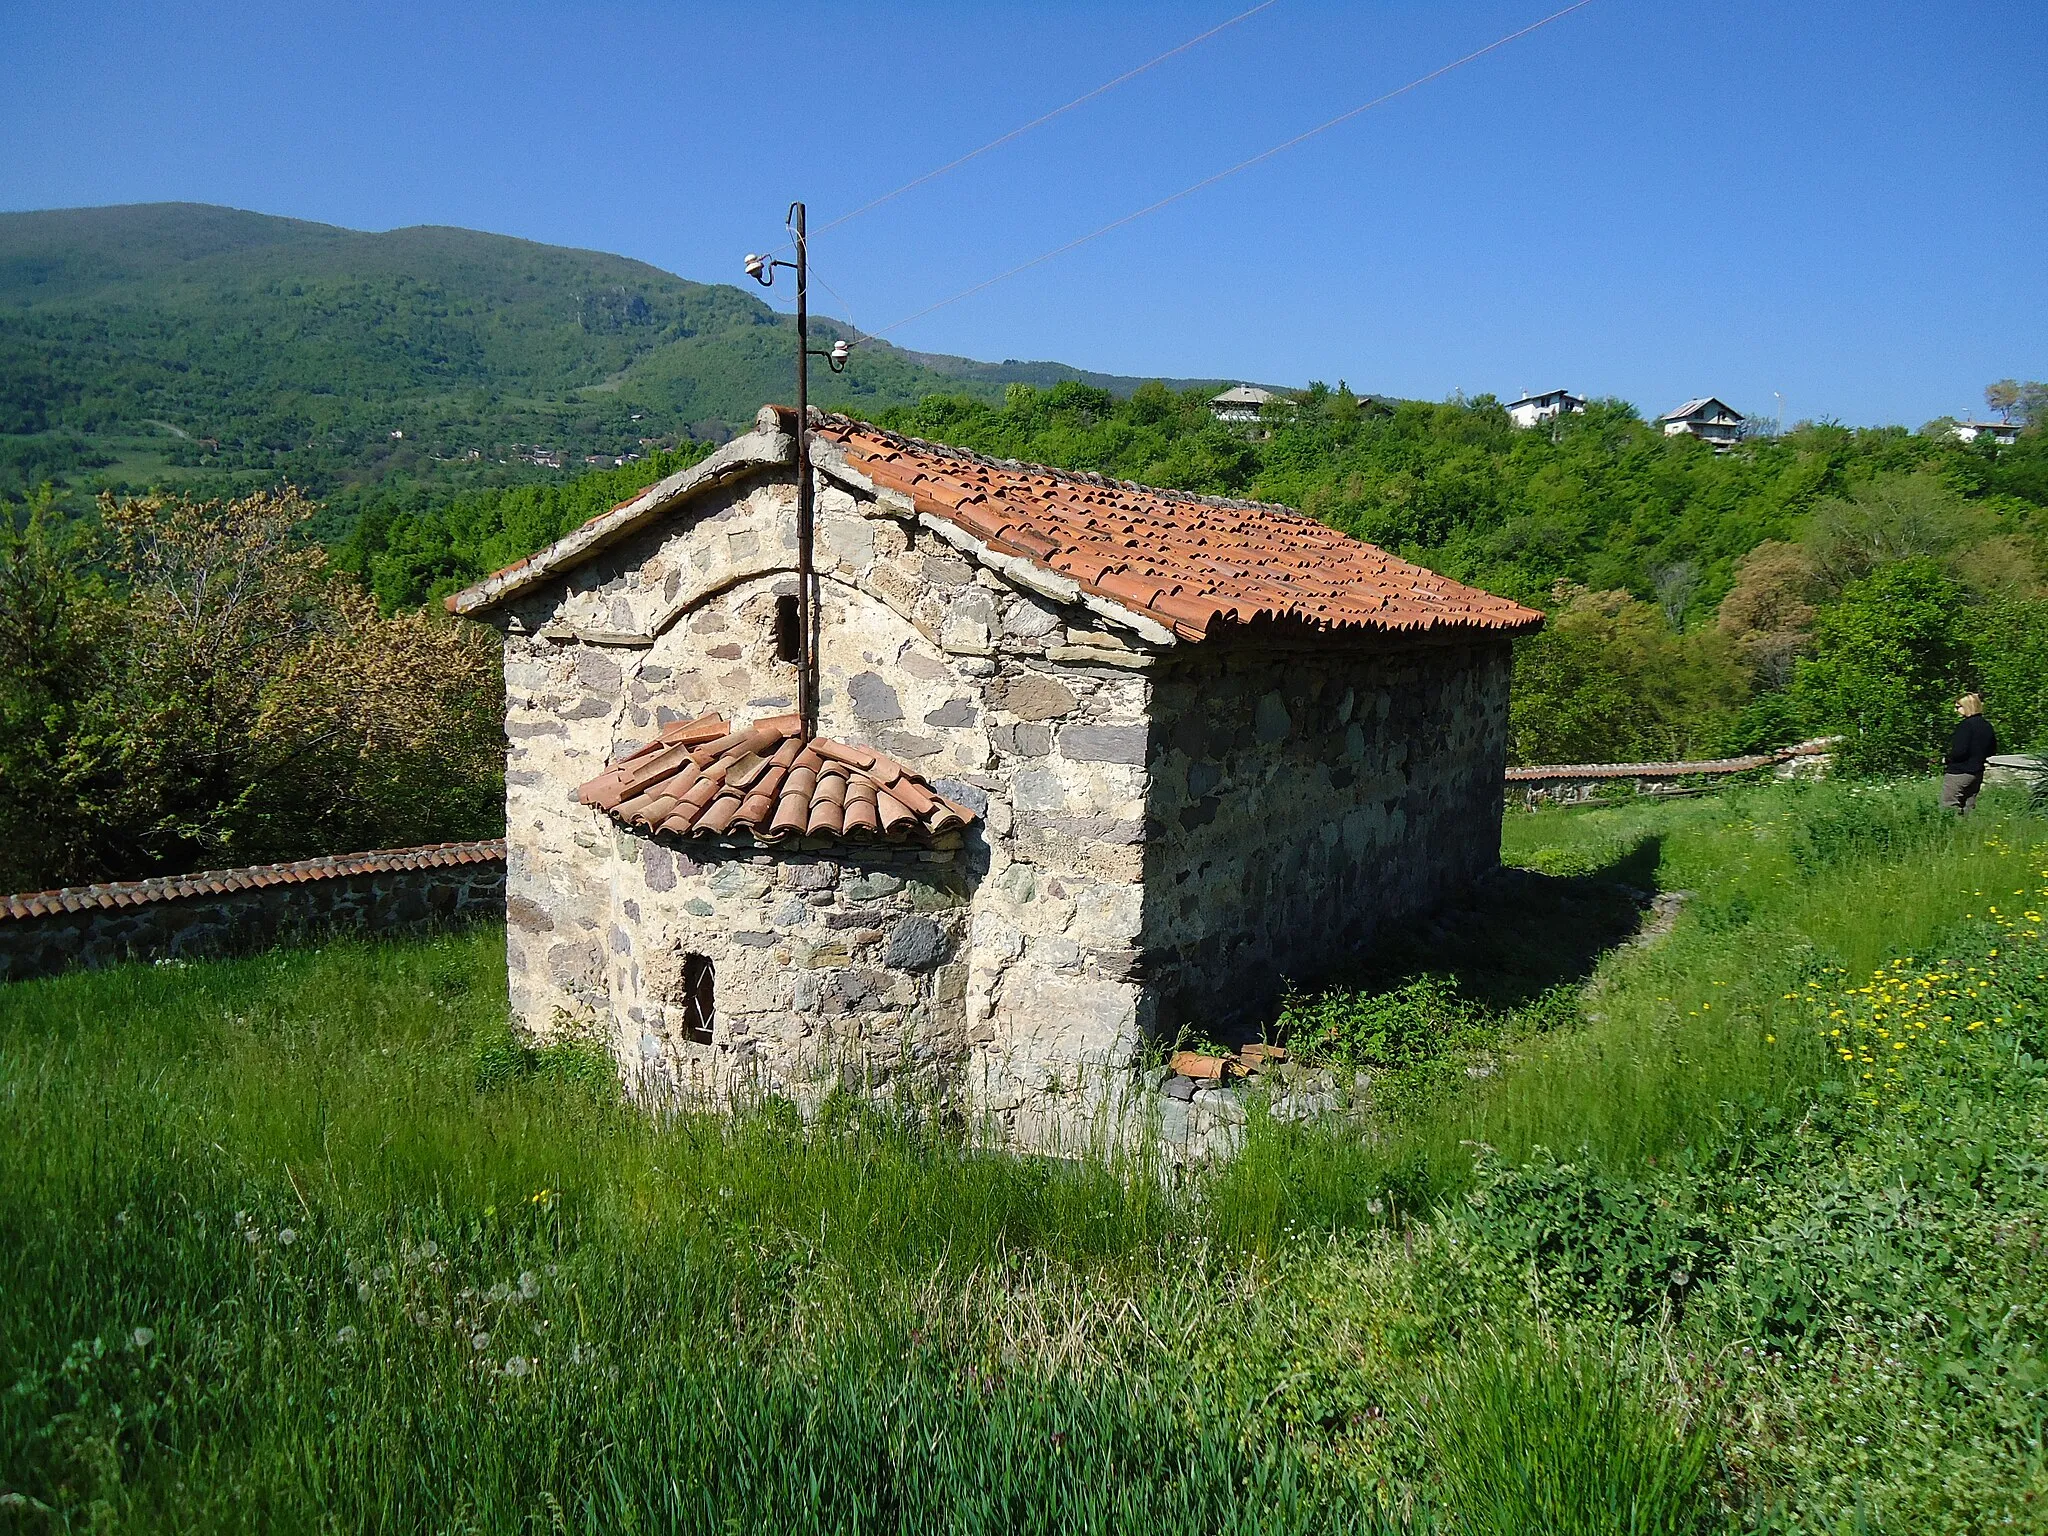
{"type": "Point", "coordinates": [341, 357]}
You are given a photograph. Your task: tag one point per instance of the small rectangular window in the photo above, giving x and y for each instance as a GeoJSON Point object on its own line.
{"type": "Point", "coordinates": [789, 639]}
{"type": "Point", "coordinates": [699, 999]}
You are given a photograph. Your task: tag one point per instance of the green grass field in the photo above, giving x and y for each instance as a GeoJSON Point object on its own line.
{"type": "Point", "coordinates": [1741, 1228]}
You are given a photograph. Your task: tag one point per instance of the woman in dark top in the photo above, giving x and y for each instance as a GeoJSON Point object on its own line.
{"type": "Point", "coordinates": [1962, 772]}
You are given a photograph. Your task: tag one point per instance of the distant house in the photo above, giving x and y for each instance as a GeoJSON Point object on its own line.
{"type": "Point", "coordinates": [1241, 404]}
{"type": "Point", "coordinates": [1548, 406]}
{"type": "Point", "coordinates": [1713, 420]}
{"type": "Point", "coordinates": [2000, 432]}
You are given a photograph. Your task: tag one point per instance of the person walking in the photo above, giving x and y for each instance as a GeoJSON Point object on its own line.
{"type": "Point", "coordinates": [1962, 771]}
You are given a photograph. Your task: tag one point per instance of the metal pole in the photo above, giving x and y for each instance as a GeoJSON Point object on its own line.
{"type": "Point", "coordinates": [807, 651]}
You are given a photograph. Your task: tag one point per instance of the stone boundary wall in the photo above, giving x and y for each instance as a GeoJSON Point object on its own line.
{"type": "Point", "coordinates": [1581, 783]}
{"type": "Point", "coordinates": [229, 910]}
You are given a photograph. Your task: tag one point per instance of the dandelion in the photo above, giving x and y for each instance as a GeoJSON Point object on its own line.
{"type": "Point", "coordinates": [286, 1237]}
{"type": "Point", "coordinates": [480, 1341]}
{"type": "Point", "coordinates": [529, 1285]}
{"type": "Point", "coordinates": [142, 1338]}
{"type": "Point", "coordinates": [518, 1365]}
{"type": "Point", "coordinates": [345, 1335]}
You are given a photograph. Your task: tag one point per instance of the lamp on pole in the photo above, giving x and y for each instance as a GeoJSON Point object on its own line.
{"type": "Point", "coordinates": [762, 270]}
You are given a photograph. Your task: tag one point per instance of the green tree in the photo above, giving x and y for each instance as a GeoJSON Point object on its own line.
{"type": "Point", "coordinates": [224, 696]}
{"type": "Point", "coordinates": [55, 620]}
{"type": "Point", "coordinates": [1608, 680]}
{"type": "Point", "coordinates": [2009, 646]}
{"type": "Point", "coordinates": [1886, 665]}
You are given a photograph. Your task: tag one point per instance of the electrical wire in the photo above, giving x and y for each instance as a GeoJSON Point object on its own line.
{"type": "Point", "coordinates": [1242, 165]}
{"type": "Point", "coordinates": [1037, 122]}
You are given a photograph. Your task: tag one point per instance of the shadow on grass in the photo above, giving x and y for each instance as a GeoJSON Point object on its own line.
{"type": "Point", "coordinates": [1519, 934]}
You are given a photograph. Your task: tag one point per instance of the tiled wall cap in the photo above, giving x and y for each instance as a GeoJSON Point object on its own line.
{"type": "Point", "coordinates": [219, 882]}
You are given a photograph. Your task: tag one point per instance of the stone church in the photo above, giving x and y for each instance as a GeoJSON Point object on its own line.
{"type": "Point", "coordinates": [1094, 763]}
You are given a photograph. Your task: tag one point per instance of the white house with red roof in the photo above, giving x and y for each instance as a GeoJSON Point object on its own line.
{"type": "Point", "coordinates": [1093, 764]}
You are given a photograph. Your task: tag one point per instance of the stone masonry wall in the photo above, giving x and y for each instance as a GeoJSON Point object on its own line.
{"type": "Point", "coordinates": [1030, 710]}
{"type": "Point", "coordinates": [1300, 802]}
{"type": "Point", "coordinates": [830, 966]}
{"type": "Point", "coordinates": [207, 915]}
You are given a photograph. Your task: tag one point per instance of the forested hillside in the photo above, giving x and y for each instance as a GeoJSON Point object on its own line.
{"type": "Point", "coordinates": [180, 344]}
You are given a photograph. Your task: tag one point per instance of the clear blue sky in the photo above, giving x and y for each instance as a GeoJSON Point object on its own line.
{"type": "Point", "coordinates": [1844, 204]}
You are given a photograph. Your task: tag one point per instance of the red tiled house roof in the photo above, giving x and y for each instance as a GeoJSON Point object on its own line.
{"type": "Point", "coordinates": [1192, 565]}
{"type": "Point", "coordinates": [703, 778]}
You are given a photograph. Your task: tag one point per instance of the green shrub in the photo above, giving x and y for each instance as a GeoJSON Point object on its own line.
{"type": "Point", "coordinates": [2009, 644]}
{"type": "Point", "coordinates": [1402, 1028]}
{"type": "Point", "coordinates": [1628, 1246]}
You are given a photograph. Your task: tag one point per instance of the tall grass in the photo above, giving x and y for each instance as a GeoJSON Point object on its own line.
{"type": "Point", "coordinates": [1539, 1438]}
{"type": "Point", "coordinates": [304, 1241]}
{"type": "Point", "coordinates": [1683, 1043]}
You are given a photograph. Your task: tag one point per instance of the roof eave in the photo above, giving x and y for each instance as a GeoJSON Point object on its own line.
{"type": "Point", "coordinates": [767, 447]}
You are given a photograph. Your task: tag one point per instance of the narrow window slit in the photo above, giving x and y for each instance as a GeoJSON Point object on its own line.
{"type": "Point", "coordinates": [788, 630]}
{"type": "Point", "coordinates": [699, 999]}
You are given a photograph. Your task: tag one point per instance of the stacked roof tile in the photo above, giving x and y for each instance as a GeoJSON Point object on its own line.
{"type": "Point", "coordinates": [706, 778]}
{"type": "Point", "coordinates": [216, 882]}
{"type": "Point", "coordinates": [1192, 563]}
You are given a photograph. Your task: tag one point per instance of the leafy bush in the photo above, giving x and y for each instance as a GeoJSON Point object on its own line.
{"type": "Point", "coordinates": [1608, 680]}
{"type": "Point", "coordinates": [1414, 1023]}
{"type": "Point", "coordinates": [1628, 1246]}
{"type": "Point", "coordinates": [2009, 647]}
{"type": "Point", "coordinates": [186, 684]}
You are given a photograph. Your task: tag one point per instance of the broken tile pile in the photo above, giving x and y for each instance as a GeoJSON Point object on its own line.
{"type": "Point", "coordinates": [1245, 1061]}
{"type": "Point", "coordinates": [707, 778]}
{"type": "Point", "coordinates": [1190, 562]}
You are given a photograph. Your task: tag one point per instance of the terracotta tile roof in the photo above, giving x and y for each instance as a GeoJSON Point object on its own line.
{"type": "Point", "coordinates": [704, 778]}
{"type": "Point", "coordinates": [1187, 562]}
{"type": "Point", "coordinates": [215, 882]}
{"type": "Point", "coordinates": [1191, 563]}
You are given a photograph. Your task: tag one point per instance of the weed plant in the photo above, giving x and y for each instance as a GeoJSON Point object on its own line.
{"type": "Point", "coordinates": [308, 1242]}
